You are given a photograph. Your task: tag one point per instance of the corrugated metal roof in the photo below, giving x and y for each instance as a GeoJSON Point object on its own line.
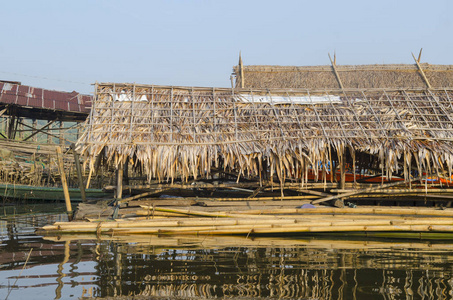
{"type": "Point", "coordinates": [24, 95]}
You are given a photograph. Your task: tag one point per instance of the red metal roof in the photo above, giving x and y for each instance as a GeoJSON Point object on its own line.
{"type": "Point", "coordinates": [23, 95]}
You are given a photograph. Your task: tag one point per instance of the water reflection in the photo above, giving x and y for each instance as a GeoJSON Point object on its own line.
{"type": "Point", "coordinates": [208, 267]}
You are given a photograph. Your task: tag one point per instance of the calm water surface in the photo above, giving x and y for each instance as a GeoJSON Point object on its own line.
{"type": "Point", "coordinates": [71, 267]}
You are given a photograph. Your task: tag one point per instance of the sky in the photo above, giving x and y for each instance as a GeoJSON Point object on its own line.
{"type": "Point", "coordinates": [69, 45]}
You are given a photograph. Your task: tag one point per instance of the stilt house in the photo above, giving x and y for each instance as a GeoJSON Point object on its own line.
{"type": "Point", "coordinates": [281, 126]}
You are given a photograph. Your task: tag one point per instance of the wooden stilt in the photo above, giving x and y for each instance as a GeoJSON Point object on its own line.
{"type": "Point", "coordinates": [11, 124]}
{"type": "Point", "coordinates": [342, 171]}
{"type": "Point", "coordinates": [119, 189]}
{"type": "Point", "coordinates": [342, 159]}
{"type": "Point", "coordinates": [35, 127]}
{"type": "Point", "coordinates": [119, 182]}
{"type": "Point", "coordinates": [21, 129]}
{"type": "Point", "coordinates": [61, 134]}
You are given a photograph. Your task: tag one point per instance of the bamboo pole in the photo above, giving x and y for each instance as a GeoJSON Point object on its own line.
{"type": "Point", "coordinates": [421, 70]}
{"type": "Point", "coordinates": [119, 181]}
{"type": "Point", "coordinates": [119, 189]}
{"type": "Point", "coordinates": [142, 195]}
{"type": "Point", "coordinates": [194, 212]}
{"type": "Point", "coordinates": [268, 185]}
{"type": "Point", "coordinates": [361, 191]}
{"type": "Point", "coordinates": [269, 227]}
{"type": "Point", "coordinates": [353, 211]}
{"type": "Point", "coordinates": [337, 76]}
{"type": "Point", "coordinates": [401, 191]}
{"type": "Point", "coordinates": [64, 183]}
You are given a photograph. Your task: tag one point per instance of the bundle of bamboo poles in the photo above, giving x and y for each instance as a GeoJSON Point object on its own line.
{"type": "Point", "coordinates": [284, 221]}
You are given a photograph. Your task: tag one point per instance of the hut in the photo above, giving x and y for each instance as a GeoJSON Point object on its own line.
{"type": "Point", "coordinates": [33, 122]}
{"type": "Point", "coordinates": [311, 134]}
{"type": "Point", "coordinates": [281, 127]}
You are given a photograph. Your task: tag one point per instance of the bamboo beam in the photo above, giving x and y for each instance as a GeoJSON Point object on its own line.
{"type": "Point", "coordinates": [361, 191]}
{"type": "Point", "coordinates": [39, 130]}
{"type": "Point", "coordinates": [401, 191]}
{"type": "Point", "coordinates": [142, 195]}
{"type": "Point", "coordinates": [334, 68]}
{"type": "Point", "coordinates": [421, 71]}
{"type": "Point", "coordinates": [359, 210]}
{"type": "Point", "coordinates": [3, 111]}
{"type": "Point", "coordinates": [296, 186]}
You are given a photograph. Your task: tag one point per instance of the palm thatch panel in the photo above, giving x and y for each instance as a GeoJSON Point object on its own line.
{"type": "Point", "coordinates": [359, 76]}
{"type": "Point", "coordinates": [179, 132]}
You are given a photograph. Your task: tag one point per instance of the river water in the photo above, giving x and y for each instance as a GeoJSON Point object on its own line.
{"type": "Point", "coordinates": [189, 267]}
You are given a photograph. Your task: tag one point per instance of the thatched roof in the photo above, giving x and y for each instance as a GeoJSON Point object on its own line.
{"type": "Point", "coordinates": [177, 132]}
{"type": "Point", "coordinates": [391, 76]}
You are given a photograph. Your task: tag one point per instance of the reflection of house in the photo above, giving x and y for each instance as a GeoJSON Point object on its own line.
{"type": "Point", "coordinates": [351, 270]}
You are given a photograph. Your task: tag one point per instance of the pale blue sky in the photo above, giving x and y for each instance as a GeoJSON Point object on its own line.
{"type": "Point", "coordinates": [68, 45]}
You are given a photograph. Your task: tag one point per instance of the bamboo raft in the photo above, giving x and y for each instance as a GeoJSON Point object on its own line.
{"type": "Point", "coordinates": [153, 219]}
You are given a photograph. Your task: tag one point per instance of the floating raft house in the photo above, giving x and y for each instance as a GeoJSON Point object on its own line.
{"type": "Point", "coordinates": [319, 133]}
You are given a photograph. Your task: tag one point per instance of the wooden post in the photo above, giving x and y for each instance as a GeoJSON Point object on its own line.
{"type": "Point", "coordinates": [119, 183]}
{"type": "Point", "coordinates": [21, 128]}
{"type": "Point", "coordinates": [11, 125]}
{"type": "Point", "coordinates": [35, 127]}
{"type": "Point", "coordinates": [4, 122]}
{"type": "Point", "coordinates": [342, 169]}
{"type": "Point", "coordinates": [119, 189]}
{"type": "Point", "coordinates": [49, 157]}
{"type": "Point", "coordinates": [49, 131]}
{"type": "Point", "coordinates": [64, 182]}
{"type": "Point", "coordinates": [61, 134]}
{"type": "Point", "coordinates": [79, 173]}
